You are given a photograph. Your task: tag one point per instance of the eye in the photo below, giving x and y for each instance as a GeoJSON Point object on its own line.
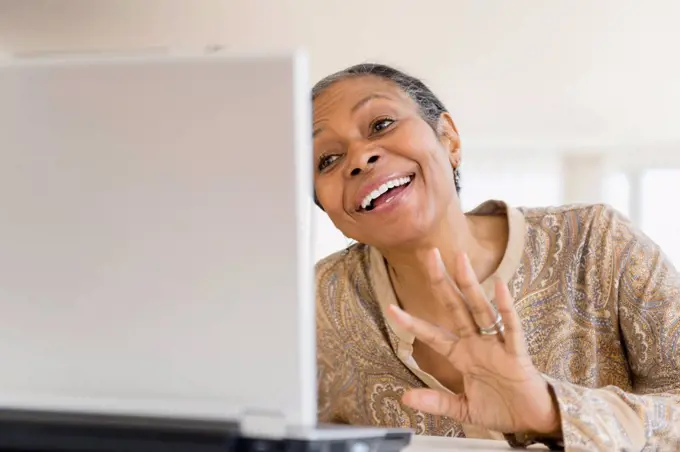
{"type": "Point", "coordinates": [381, 124]}
{"type": "Point", "coordinates": [326, 160]}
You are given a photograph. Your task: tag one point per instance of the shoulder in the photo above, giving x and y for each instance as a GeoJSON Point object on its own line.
{"type": "Point", "coordinates": [347, 306]}
{"type": "Point", "coordinates": [351, 262]}
{"type": "Point", "coordinates": [597, 234]}
{"type": "Point", "coordinates": [583, 213]}
{"type": "Point", "coordinates": [586, 235]}
{"type": "Point", "coordinates": [586, 221]}
{"type": "Point", "coordinates": [344, 286]}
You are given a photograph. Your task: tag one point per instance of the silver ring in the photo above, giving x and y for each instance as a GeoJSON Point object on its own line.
{"type": "Point", "coordinates": [496, 328]}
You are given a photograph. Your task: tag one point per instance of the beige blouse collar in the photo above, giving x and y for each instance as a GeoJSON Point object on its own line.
{"type": "Point", "coordinates": [509, 264]}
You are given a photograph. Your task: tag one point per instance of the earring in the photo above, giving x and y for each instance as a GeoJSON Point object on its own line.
{"type": "Point", "coordinates": [456, 177]}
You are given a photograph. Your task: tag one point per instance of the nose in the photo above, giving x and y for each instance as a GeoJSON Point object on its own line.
{"type": "Point", "coordinates": [362, 161]}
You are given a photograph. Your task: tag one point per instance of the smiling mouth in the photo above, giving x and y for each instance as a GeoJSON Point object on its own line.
{"type": "Point", "coordinates": [385, 193]}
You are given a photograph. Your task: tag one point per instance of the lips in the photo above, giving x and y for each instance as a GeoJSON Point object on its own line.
{"type": "Point", "coordinates": [382, 190]}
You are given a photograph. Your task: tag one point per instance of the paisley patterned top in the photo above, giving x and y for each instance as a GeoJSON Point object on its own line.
{"type": "Point", "coordinates": [600, 307]}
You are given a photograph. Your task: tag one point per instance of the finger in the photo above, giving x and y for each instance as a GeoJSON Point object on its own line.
{"type": "Point", "coordinates": [447, 295]}
{"type": "Point", "coordinates": [514, 336]}
{"type": "Point", "coordinates": [438, 403]}
{"type": "Point", "coordinates": [439, 339]}
{"type": "Point", "coordinates": [482, 311]}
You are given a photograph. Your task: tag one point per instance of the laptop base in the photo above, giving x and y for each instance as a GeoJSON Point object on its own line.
{"type": "Point", "coordinates": [37, 431]}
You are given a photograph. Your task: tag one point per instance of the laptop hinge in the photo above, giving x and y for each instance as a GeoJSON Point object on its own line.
{"type": "Point", "coordinates": [263, 425]}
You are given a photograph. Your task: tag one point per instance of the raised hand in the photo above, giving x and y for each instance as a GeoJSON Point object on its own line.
{"type": "Point", "coordinates": [503, 389]}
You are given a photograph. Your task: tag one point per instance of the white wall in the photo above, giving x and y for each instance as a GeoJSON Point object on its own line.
{"type": "Point", "coordinates": [83, 25]}
{"type": "Point", "coordinates": [555, 75]}
{"type": "Point", "coordinates": [532, 85]}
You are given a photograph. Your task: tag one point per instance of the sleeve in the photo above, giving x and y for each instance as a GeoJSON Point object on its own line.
{"type": "Point", "coordinates": [328, 347]}
{"type": "Point", "coordinates": [648, 304]}
{"type": "Point", "coordinates": [327, 389]}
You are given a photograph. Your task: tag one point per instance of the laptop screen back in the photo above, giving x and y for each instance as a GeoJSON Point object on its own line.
{"type": "Point", "coordinates": [155, 237]}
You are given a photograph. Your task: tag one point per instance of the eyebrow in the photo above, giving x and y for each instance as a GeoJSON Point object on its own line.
{"type": "Point", "coordinates": [356, 107]}
{"type": "Point", "coordinates": [366, 99]}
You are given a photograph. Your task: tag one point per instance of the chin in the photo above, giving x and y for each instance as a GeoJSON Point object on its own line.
{"type": "Point", "coordinates": [402, 235]}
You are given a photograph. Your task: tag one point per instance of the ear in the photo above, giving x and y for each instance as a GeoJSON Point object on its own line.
{"type": "Point", "coordinates": [448, 134]}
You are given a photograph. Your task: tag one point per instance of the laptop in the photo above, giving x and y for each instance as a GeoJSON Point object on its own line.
{"type": "Point", "coordinates": [156, 273]}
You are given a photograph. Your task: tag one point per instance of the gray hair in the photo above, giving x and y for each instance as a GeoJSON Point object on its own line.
{"type": "Point", "coordinates": [431, 108]}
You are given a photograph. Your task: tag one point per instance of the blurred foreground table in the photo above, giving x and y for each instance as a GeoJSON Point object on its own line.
{"type": "Point", "coordinates": [439, 444]}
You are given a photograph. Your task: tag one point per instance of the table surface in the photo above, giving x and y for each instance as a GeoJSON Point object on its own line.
{"type": "Point", "coordinates": [436, 444]}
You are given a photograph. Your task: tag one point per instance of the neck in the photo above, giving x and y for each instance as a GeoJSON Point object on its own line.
{"type": "Point", "coordinates": [482, 238]}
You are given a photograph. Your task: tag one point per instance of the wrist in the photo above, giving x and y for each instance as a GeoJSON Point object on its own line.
{"type": "Point", "coordinates": [551, 427]}
{"type": "Point", "coordinates": [548, 431]}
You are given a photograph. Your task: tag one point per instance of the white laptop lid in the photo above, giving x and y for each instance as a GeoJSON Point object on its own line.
{"type": "Point", "coordinates": [155, 237]}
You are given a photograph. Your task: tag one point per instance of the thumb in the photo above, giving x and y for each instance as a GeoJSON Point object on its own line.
{"type": "Point", "coordinates": [438, 403]}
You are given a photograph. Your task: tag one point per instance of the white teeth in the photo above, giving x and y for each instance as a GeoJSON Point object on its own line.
{"type": "Point", "coordinates": [375, 194]}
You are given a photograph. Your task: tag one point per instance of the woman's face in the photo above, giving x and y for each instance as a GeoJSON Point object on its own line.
{"type": "Point", "coordinates": [382, 174]}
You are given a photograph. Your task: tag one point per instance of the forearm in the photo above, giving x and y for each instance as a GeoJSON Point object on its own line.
{"type": "Point", "coordinates": [611, 419]}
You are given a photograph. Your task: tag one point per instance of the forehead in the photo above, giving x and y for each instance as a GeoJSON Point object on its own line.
{"type": "Point", "coordinates": [344, 95]}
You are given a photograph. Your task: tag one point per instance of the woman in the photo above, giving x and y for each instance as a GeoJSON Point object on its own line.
{"type": "Point", "coordinates": [557, 325]}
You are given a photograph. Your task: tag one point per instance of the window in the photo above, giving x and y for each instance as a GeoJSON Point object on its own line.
{"type": "Point", "coordinates": [617, 192]}
{"type": "Point", "coordinates": [517, 180]}
{"type": "Point", "coordinates": [660, 217]}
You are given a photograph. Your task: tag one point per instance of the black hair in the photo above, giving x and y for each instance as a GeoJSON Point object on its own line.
{"type": "Point", "coordinates": [431, 108]}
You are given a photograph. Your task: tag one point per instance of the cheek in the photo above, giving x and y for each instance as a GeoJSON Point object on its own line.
{"type": "Point", "coordinates": [330, 198]}
{"type": "Point", "coordinates": [438, 177]}
{"type": "Point", "coordinates": [420, 143]}
{"type": "Point", "coordinates": [328, 194]}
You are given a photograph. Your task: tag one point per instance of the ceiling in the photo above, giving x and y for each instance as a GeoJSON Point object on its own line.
{"type": "Point", "coordinates": [554, 75]}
